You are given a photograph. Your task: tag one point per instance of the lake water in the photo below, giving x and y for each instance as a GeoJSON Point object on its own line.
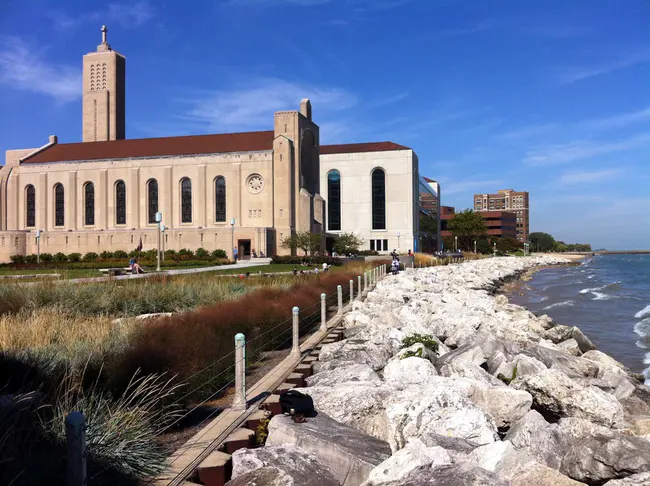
{"type": "Point", "coordinates": [607, 297]}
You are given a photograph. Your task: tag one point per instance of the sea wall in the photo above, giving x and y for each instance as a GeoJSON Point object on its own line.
{"type": "Point", "coordinates": [488, 393]}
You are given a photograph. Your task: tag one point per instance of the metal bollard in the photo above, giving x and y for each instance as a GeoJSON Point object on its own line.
{"type": "Point", "coordinates": [413, 264]}
{"type": "Point", "coordinates": [295, 349]}
{"type": "Point", "coordinates": [359, 287]}
{"type": "Point", "coordinates": [75, 432]}
{"type": "Point", "coordinates": [239, 403]}
{"type": "Point", "coordinates": [339, 291]}
{"type": "Point", "coordinates": [351, 291]}
{"type": "Point", "coordinates": [323, 312]}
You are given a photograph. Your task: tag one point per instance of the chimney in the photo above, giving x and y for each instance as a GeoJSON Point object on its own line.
{"type": "Point", "coordinates": [54, 139]}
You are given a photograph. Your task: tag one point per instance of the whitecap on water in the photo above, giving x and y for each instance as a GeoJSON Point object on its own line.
{"type": "Point", "coordinates": [564, 303]}
{"type": "Point", "coordinates": [643, 312]}
{"type": "Point", "coordinates": [642, 328]}
{"type": "Point", "coordinates": [600, 296]}
{"type": "Point", "coordinates": [590, 277]}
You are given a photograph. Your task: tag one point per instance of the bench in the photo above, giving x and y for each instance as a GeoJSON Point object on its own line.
{"type": "Point", "coordinates": [115, 271]}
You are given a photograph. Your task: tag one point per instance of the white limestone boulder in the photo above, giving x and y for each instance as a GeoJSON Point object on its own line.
{"type": "Point", "coordinates": [503, 404]}
{"type": "Point", "coordinates": [344, 374]}
{"type": "Point", "coordinates": [403, 372]}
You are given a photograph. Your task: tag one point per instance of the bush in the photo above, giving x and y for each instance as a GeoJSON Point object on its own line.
{"type": "Point", "coordinates": [425, 339]}
{"type": "Point", "coordinates": [184, 252]}
{"type": "Point", "coordinates": [150, 254]}
{"type": "Point", "coordinates": [170, 254]}
{"type": "Point", "coordinates": [30, 259]}
{"type": "Point", "coordinates": [106, 255]}
{"type": "Point", "coordinates": [134, 254]}
{"type": "Point", "coordinates": [74, 257]}
{"type": "Point", "coordinates": [367, 253]}
{"type": "Point", "coordinates": [120, 254]}
{"type": "Point", "coordinates": [18, 259]}
{"type": "Point", "coordinates": [60, 257]}
{"type": "Point", "coordinates": [297, 260]}
{"type": "Point", "coordinates": [91, 256]}
{"type": "Point", "coordinates": [201, 253]}
{"type": "Point", "coordinates": [46, 257]}
{"type": "Point", "coordinates": [219, 254]}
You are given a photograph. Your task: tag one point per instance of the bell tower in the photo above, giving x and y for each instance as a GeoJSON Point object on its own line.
{"type": "Point", "coordinates": [104, 73]}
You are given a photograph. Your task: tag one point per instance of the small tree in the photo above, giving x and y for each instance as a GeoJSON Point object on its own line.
{"type": "Point", "coordinates": [467, 226]}
{"type": "Point", "coordinates": [306, 241]}
{"type": "Point", "coordinates": [541, 242]}
{"type": "Point", "coordinates": [347, 243]}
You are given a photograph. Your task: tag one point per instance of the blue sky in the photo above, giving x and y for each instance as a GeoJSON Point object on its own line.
{"type": "Point", "coordinates": [550, 97]}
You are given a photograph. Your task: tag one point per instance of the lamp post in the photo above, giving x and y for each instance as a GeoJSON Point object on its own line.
{"type": "Point", "coordinates": [159, 221]}
{"type": "Point", "coordinates": [495, 248]}
{"type": "Point", "coordinates": [398, 233]}
{"type": "Point", "coordinates": [475, 247]}
{"type": "Point", "coordinates": [38, 246]}
{"type": "Point", "coordinates": [455, 243]}
{"type": "Point", "coordinates": [232, 238]}
{"type": "Point", "coordinates": [162, 230]}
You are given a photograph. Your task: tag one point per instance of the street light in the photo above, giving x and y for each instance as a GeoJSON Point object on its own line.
{"type": "Point", "coordinates": [162, 229]}
{"type": "Point", "coordinates": [495, 248]}
{"type": "Point", "coordinates": [38, 246]}
{"type": "Point", "coordinates": [398, 240]}
{"type": "Point", "coordinates": [455, 243]}
{"type": "Point", "coordinates": [475, 247]}
{"type": "Point", "coordinates": [232, 239]}
{"type": "Point", "coordinates": [159, 221]}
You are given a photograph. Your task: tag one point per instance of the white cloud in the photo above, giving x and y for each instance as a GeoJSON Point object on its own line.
{"type": "Point", "coordinates": [616, 121]}
{"type": "Point", "coordinates": [587, 176]}
{"type": "Point", "coordinates": [582, 149]}
{"type": "Point", "coordinates": [568, 75]}
{"type": "Point", "coordinates": [125, 14]}
{"type": "Point", "coordinates": [388, 100]}
{"type": "Point", "coordinates": [527, 131]}
{"type": "Point", "coordinates": [249, 107]}
{"type": "Point", "coordinates": [469, 186]}
{"type": "Point", "coordinates": [21, 67]}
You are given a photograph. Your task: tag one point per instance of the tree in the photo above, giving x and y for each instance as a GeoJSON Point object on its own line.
{"type": "Point", "coordinates": [347, 243]}
{"type": "Point", "coordinates": [428, 233]}
{"type": "Point", "coordinates": [541, 242]}
{"type": "Point", "coordinates": [467, 226]}
{"type": "Point", "coordinates": [306, 241]}
{"type": "Point", "coordinates": [508, 244]}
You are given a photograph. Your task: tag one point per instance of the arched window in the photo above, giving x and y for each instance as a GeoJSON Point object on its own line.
{"type": "Point", "coordinates": [220, 199]}
{"type": "Point", "coordinates": [186, 200]}
{"type": "Point", "coordinates": [334, 200]}
{"type": "Point", "coordinates": [89, 204]}
{"type": "Point", "coordinates": [120, 202]}
{"type": "Point", "coordinates": [378, 199]}
{"type": "Point", "coordinates": [30, 206]}
{"type": "Point", "coordinates": [152, 197]}
{"type": "Point", "coordinates": [59, 205]}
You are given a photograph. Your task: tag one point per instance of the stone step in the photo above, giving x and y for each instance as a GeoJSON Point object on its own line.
{"type": "Point", "coordinates": [283, 388]}
{"type": "Point", "coordinates": [310, 359]}
{"type": "Point", "coordinates": [215, 470]}
{"type": "Point", "coordinates": [272, 404]}
{"type": "Point", "coordinates": [239, 439]}
{"type": "Point", "coordinates": [296, 379]}
{"type": "Point", "coordinates": [304, 369]}
{"type": "Point", "coordinates": [255, 418]}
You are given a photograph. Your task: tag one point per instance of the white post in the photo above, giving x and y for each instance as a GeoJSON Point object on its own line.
{"type": "Point", "coordinates": [475, 247]}
{"type": "Point", "coordinates": [295, 349]}
{"type": "Point", "coordinates": [75, 431]}
{"type": "Point", "coordinates": [413, 263]}
{"type": "Point", "coordinates": [365, 281]}
{"type": "Point", "coordinates": [323, 312]}
{"type": "Point", "coordinates": [359, 287]}
{"type": "Point", "coordinates": [339, 291]}
{"type": "Point", "coordinates": [239, 403]}
{"type": "Point", "coordinates": [38, 246]}
{"type": "Point", "coordinates": [351, 292]}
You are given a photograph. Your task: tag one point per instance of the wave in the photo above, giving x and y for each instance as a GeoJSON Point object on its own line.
{"type": "Point", "coordinates": [591, 276]}
{"type": "Point", "coordinates": [642, 328]}
{"type": "Point", "coordinates": [601, 296]}
{"type": "Point", "coordinates": [639, 344]}
{"type": "Point", "coordinates": [643, 312]}
{"type": "Point", "coordinates": [565, 303]}
{"type": "Point", "coordinates": [584, 291]}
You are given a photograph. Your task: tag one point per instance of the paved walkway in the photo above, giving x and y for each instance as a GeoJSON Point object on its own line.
{"type": "Point", "coordinates": [243, 264]}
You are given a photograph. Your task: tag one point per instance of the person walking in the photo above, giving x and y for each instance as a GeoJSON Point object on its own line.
{"type": "Point", "coordinates": [235, 254]}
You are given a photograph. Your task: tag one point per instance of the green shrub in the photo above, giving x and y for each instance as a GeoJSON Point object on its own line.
{"type": "Point", "coordinates": [60, 257]}
{"type": "Point", "coordinates": [106, 255]}
{"type": "Point", "coordinates": [367, 253]}
{"type": "Point", "coordinates": [74, 257]}
{"type": "Point", "coordinates": [91, 256]}
{"type": "Point", "coordinates": [17, 259]}
{"type": "Point", "coordinates": [120, 254]}
{"type": "Point", "coordinates": [315, 260]}
{"type": "Point", "coordinates": [507, 380]}
{"type": "Point", "coordinates": [426, 339]}
{"type": "Point", "coordinates": [201, 253]}
{"type": "Point", "coordinates": [411, 354]}
{"type": "Point", "coordinates": [134, 254]}
{"type": "Point", "coordinates": [184, 252]}
{"type": "Point", "coordinates": [150, 254]}
{"type": "Point", "coordinates": [30, 259]}
{"type": "Point", "coordinates": [219, 254]}
{"type": "Point", "coordinates": [46, 257]}
{"type": "Point", "coordinates": [170, 254]}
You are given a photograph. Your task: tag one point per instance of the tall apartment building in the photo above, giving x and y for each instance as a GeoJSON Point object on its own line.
{"type": "Point", "coordinates": [507, 200]}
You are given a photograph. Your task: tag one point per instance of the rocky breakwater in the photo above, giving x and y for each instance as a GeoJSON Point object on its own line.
{"type": "Point", "coordinates": [441, 382]}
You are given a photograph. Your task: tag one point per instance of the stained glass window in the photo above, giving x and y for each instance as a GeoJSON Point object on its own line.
{"type": "Point", "coordinates": [334, 200]}
{"type": "Point", "coordinates": [152, 195]}
{"type": "Point", "coordinates": [120, 202]}
{"type": "Point", "coordinates": [186, 201]}
{"type": "Point", "coordinates": [220, 191]}
{"type": "Point", "coordinates": [89, 203]}
{"type": "Point", "coordinates": [59, 205]}
{"type": "Point", "coordinates": [30, 196]}
{"type": "Point", "coordinates": [378, 199]}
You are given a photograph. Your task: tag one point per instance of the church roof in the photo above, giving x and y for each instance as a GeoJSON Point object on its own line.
{"type": "Point", "coordinates": [185, 145]}
{"type": "Point", "coordinates": [351, 148]}
{"type": "Point", "coordinates": [156, 147]}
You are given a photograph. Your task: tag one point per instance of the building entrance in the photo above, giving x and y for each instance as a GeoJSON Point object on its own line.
{"type": "Point", "coordinates": [244, 247]}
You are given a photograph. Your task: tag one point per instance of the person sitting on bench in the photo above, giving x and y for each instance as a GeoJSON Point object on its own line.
{"type": "Point", "coordinates": [135, 268]}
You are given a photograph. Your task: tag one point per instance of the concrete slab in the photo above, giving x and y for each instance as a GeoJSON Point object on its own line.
{"type": "Point", "coordinates": [239, 439]}
{"type": "Point", "coordinates": [215, 470]}
{"type": "Point", "coordinates": [296, 379]}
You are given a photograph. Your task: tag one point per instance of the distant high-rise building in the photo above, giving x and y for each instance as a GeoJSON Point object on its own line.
{"type": "Point", "coordinates": [507, 200]}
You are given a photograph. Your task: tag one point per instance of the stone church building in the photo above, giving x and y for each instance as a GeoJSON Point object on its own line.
{"type": "Point", "coordinates": [102, 194]}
